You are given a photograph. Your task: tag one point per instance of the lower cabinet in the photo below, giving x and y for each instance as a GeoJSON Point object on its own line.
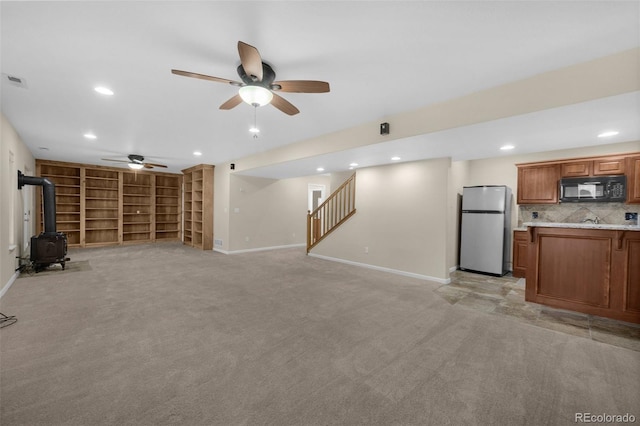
{"type": "Point", "coordinates": [519, 263]}
{"type": "Point", "coordinates": [593, 271]}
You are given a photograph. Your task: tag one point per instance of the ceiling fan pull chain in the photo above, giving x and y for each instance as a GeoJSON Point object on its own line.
{"type": "Point", "coordinates": [255, 129]}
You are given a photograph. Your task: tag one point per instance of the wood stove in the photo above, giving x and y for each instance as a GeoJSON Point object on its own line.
{"type": "Point", "coordinates": [50, 246]}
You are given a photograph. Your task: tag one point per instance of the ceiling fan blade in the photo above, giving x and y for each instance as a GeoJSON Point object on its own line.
{"type": "Point", "coordinates": [117, 161]}
{"type": "Point", "coordinates": [301, 86]}
{"type": "Point", "coordinates": [284, 105]}
{"type": "Point", "coordinates": [251, 60]}
{"type": "Point", "coordinates": [152, 165]}
{"type": "Point", "coordinates": [232, 103]}
{"type": "Point", "coordinates": [206, 77]}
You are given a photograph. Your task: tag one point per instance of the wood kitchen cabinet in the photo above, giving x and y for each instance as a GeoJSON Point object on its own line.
{"type": "Point", "coordinates": [603, 166]}
{"type": "Point", "coordinates": [538, 184]}
{"type": "Point", "coordinates": [576, 169]}
{"type": "Point", "coordinates": [633, 179]}
{"type": "Point", "coordinates": [519, 263]}
{"type": "Point", "coordinates": [593, 271]}
{"type": "Point", "coordinates": [609, 166]}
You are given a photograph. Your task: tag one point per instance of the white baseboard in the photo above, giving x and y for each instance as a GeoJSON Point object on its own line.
{"type": "Point", "coordinates": [258, 249]}
{"type": "Point", "coordinates": [383, 269]}
{"type": "Point", "coordinates": [9, 283]}
{"type": "Point", "coordinates": [453, 269]}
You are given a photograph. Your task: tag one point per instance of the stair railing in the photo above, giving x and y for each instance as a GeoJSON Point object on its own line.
{"type": "Point", "coordinates": [336, 209]}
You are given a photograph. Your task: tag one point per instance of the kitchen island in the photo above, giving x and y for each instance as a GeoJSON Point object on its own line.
{"type": "Point", "coordinates": [588, 268]}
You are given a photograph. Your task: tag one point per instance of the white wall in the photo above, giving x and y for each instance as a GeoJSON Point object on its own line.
{"type": "Point", "coordinates": [401, 217]}
{"type": "Point", "coordinates": [14, 156]}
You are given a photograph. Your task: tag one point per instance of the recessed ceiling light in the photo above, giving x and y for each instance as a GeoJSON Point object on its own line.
{"type": "Point", "coordinates": [43, 148]}
{"type": "Point", "coordinates": [507, 147]}
{"type": "Point", "coordinates": [608, 134]}
{"type": "Point", "coordinates": [353, 164]}
{"type": "Point", "coordinates": [320, 169]}
{"type": "Point", "coordinates": [90, 136]}
{"type": "Point", "coordinates": [103, 90]}
{"type": "Point", "coordinates": [395, 158]}
{"type": "Point", "coordinates": [197, 153]}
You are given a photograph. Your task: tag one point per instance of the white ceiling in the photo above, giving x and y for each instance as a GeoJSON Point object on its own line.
{"type": "Point", "coordinates": [381, 58]}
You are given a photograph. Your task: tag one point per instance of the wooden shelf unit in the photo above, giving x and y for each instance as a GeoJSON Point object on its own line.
{"type": "Point", "coordinates": [68, 199]}
{"type": "Point", "coordinates": [198, 206]}
{"type": "Point", "coordinates": [168, 203]}
{"type": "Point", "coordinates": [98, 205]}
{"type": "Point", "coordinates": [138, 202]}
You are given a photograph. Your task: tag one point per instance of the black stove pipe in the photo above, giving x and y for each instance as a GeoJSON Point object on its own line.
{"type": "Point", "coordinates": [49, 199]}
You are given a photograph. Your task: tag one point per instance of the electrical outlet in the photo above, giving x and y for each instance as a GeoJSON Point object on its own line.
{"type": "Point", "coordinates": [534, 215]}
{"type": "Point", "coordinates": [631, 216]}
{"type": "Point", "coordinates": [366, 250]}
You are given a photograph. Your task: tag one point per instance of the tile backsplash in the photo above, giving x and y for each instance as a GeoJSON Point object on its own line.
{"type": "Point", "coordinates": [612, 213]}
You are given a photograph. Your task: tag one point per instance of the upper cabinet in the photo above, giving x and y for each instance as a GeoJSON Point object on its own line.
{"type": "Point", "coordinates": [609, 166]}
{"type": "Point", "coordinates": [576, 169]}
{"type": "Point", "coordinates": [604, 166]}
{"type": "Point", "coordinates": [633, 179]}
{"type": "Point", "coordinates": [538, 184]}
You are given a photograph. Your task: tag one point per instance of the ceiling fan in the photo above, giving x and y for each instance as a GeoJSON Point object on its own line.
{"type": "Point", "coordinates": [258, 86]}
{"type": "Point", "coordinates": [136, 162]}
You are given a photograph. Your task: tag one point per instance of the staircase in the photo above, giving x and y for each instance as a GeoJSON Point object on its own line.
{"type": "Point", "coordinates": [336, 209]}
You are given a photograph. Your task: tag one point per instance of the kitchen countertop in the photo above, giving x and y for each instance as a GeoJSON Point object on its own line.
{"type": "Point", "coordinates": [581, 226]}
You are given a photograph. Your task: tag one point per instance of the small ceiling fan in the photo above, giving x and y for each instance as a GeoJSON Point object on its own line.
{"type": "Point", "coordinates": [258, 86]}
{"type": "Point", "coordinates": [136, 162]}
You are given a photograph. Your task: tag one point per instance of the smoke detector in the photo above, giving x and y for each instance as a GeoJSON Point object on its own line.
{"type": "Point", "coordinates": [15, 80]}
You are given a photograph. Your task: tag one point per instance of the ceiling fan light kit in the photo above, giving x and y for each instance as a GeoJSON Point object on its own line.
{"type": "Point", "coordinates": [257, 83]}
{"type": "Point", "coordinates": [135, 166]}
{"type": "Point", "coordinates": [255, 95]}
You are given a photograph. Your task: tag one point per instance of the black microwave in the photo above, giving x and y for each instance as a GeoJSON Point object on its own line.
{"type": "Point", "coordinates": [593, 189]}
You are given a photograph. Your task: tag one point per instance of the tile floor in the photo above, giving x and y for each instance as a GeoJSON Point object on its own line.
{"type": "Point", "coordinates": [505, 296]}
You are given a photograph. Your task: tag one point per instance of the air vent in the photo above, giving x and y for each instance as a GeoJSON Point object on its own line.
{"type": "Point", "coordinates": [15, 81]}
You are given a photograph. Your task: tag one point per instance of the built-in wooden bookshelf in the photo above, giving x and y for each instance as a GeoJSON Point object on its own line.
{"type": "Point", "coordinates": [198, 206]}
{"type": "Point", "coordinates": [137, 206]}
{"type": "Point", "coordinates": [67, 181]}
{"type": "Point", "coordinates": [168, 212]}
{"type": "Point", "coordinates": [99, 205]}
{"type": "Point", "coordinates": [100, 201]}
{"type": "Point", "coordinates": [188, 209]}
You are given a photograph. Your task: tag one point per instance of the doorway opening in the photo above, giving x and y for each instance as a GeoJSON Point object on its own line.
{"type": "Point", "coordinates": [316, 195]}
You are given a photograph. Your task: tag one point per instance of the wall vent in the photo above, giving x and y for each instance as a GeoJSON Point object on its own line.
{"type": "Point", "coordinates": [15, 81]}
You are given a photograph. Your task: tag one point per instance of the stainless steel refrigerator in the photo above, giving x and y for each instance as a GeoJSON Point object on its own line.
{"type": "Point", "coordinates": [485, 238]}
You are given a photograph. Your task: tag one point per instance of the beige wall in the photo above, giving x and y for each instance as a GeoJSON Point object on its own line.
{"type": "Point", "coordinates": [221, 182]}
{"type": "Point", "coordinates": [401, 220]}
{"type": "Point", "coordinates": [267, 213]}
{"type": "Point", "coordinates": [14, 156]}
{"type": "Point", "coordinates": [458, 176]}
